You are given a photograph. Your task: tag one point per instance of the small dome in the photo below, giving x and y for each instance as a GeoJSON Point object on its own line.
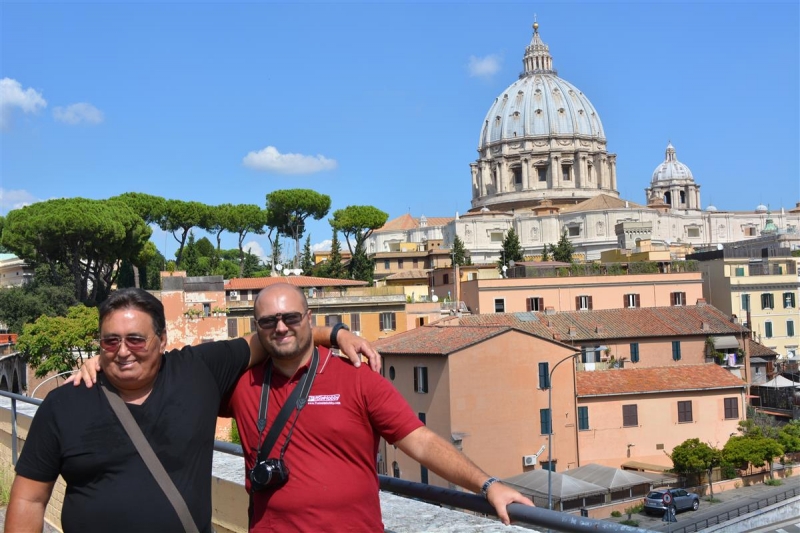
{"type": "Point", "coordinates": [761, 208]}
{"type": "Point", "coordinates": [711, 208]}
{"type": "Point", "coordinates": [671, 169]}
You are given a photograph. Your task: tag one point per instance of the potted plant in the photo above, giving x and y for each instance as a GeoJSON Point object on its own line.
{"type": "Point", "coordinates": [193, 313]}
{"type": "Point", "coordinates": [219, 311]}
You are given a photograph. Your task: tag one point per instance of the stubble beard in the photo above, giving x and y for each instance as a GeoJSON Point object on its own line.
{"type": "Point", "coordinates": [302, 346]}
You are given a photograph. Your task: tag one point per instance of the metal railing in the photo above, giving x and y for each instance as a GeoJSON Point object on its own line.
{"type": "Point", "coordinates": [739, 511]}
{"type": "Point", "coordinates": [14, 399]}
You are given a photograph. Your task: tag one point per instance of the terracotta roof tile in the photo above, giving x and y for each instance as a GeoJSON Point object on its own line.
{"type": "Point", "coordinates": [409, 274]}
{"type": "Point", "coordinates": [600, 202]}
{"type": "Point", "coordinates": [759, 350]}
{"type": "Point", "coordinates": [406, 222]}
{"type": "Point", "coordinates": [429, 340]}
{"type": "Point", "coordinates": [298, 281]}
{"type": "Point", "coordinates": [658, 379]}
{"type": "Point", "coordinates": [616, 323]}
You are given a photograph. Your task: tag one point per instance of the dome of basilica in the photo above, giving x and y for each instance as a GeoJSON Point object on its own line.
{"type": "Point", "coordinates": [671, 169]}
{"type": "Point", "coordinates": [540, 104]}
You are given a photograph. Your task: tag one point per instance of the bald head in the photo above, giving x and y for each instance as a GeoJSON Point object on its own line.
{"type": "Point", "coordinates": [280, 290]}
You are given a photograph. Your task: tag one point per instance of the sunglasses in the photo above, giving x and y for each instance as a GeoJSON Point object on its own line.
{"type": "Point", "coordinates": [135, 343]}
{"type": "Point", "coordinates": [290, 319]}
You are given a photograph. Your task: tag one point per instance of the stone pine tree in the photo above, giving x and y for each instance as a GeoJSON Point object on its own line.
{"type": "Point", "coordinates": [307, 263]}
{"type": "Point", "coordinates": [563, 250]}
{"type": "Point", "coordinates": [459, 253]}
{"type": "Point", "coordinates": [287, 211]}
{"type": "Point", "coordinates": [512, 250]}
{"type": "Point", "coordinates": [357, 222]}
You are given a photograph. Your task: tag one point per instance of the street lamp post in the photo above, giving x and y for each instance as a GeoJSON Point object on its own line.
{"type": "Point", "coordinates": [550, 428]}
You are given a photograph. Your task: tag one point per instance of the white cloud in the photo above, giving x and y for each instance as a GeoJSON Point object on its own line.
{"type": "Point", "coordinates": [13, 96]}
{"type": "Point", "coordinates": [484, 67]}
{"type": "Point", "coordinates": [10, 200]}
{"type": "Point", "coordinates": [255, 248]}
{"type": "Point", "coordinates": [271, 160]}
{"type": "Point", "coordinates": [77, 113]}
{"type": "Point", "coordinates": [323, 246]}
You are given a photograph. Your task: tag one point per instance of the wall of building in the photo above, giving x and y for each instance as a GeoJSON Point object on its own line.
{"type": "Point", "coordinates": [658, 431]}
{"type": "Point", "coordinates": [560, 292]}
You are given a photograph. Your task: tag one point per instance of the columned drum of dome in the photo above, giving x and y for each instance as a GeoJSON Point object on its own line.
{"type": "Point", "coordinates": [542, 139]}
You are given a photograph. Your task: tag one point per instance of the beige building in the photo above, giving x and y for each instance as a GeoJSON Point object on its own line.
{"type": "Point", "coordinates": [14, 271]}
{"type": "Point", "coordinates": [483, 382]}
{"type": "Point", "coordinates": [758, 282]}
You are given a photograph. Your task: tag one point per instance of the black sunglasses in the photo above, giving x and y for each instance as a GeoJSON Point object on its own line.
{"type": "Point", "coordinates": [290, 319]}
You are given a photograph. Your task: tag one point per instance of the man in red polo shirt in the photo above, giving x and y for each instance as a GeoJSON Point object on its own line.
{"type": "Point", "coordinates": [329, 446]}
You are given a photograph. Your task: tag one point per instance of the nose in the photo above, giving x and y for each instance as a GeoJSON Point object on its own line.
{"type": "Point", "coordinates": [281, 327]}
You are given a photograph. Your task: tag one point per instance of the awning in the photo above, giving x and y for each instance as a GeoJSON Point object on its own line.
{"type": "Point", "coordinates": [638, 465]}
{"type": "Point", "coordinates": [722, 343]}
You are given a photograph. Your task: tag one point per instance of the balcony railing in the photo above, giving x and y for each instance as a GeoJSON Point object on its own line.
{"type": "Point", "coordinates": [603, 269]}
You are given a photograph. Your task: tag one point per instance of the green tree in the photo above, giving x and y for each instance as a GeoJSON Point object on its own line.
{"type": "Point", "coordinates": [694, 457]}
{"type": "Point", "coordinates": [361, 267]}
{"type": "Point", "coordinates": [149, 265]}
{"type": "Point", "coordinates": [334, 267]}
{"type": "Point", "coordinates": [753, 449]}
{"type": "Point", "coordinates": [789, 437]}
{"type": "Point", "coordinates": [563, 250]}
{"type": "Point", "coordinates": [46, 294]}
{"type": "Point", "coordinates": [308, 259]}
{"type": "Point", "coordinates": [288, 209]}
{"type": "Point", "coordinates": [275, 254]}
{"type": "Point", "coordinates": [357, 222]}
{"type": "Point", "coordinates": [546, 254]}
{"type": "Point", "coordinates": [460, 256]}
{"type": "Point", "coordinates": [179, 218]}
{"type": "Point", "coordinates": [59, 344]}
{"type": "Point", "coordinates": [512, 250]}
{"type": "Point", "coordinates": [242, 220]}
{"type": "Point", "coordinates": [88, 237]}
{"type": "Point", "coordinates": [191, 258]}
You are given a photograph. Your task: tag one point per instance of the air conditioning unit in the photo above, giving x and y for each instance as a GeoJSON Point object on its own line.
{"type": "Point", "coordinates": [234, 295]}
{"type": "Point", "coordinates": [529, 460]}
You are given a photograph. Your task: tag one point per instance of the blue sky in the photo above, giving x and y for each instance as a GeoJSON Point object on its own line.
{"type": "Point", "coordinates": [381, 103]}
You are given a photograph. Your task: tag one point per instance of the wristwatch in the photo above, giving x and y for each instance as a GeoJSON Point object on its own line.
{"type": "Point", "coordinates": [335, 331]}
{"type": "Point", "coordinates": [485, 488]}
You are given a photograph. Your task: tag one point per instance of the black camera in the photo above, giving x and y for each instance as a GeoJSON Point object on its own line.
{"type": "Point", "coordinates": [268, 474]}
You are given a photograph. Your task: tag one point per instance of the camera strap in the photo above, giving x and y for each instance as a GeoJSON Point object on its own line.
{"type": "Point", "coordinates": [296, 401]}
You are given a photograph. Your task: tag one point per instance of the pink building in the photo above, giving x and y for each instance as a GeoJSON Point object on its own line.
{"type": "Point", "coordinates": [194, 308]}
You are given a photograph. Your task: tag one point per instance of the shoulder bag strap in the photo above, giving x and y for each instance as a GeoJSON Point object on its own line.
{"type": "Point", "coordinates": [151, 460]}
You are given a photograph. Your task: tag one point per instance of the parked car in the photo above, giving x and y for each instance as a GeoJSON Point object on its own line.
{"type": "Point", "coordinates": [681, 500]}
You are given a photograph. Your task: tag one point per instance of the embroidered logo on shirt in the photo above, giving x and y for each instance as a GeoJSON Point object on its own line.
{"type": "Point", "coordinates": [324, 399]}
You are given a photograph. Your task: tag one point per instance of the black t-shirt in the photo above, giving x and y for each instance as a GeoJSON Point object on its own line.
{"type": "Point", "coordinates": [109, 488]}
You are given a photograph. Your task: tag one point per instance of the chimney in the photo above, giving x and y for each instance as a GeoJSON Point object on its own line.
{"type": "Point", "coordinates": [598, 329]}
{"type": "Point", "coordinates": [571, 331]}
{"type": "Point", "coordinates": [701, 302]}
{"type": "Point", "coordinates": [556, 336]}
{"type": "Point", "coordinates": [704, 326]}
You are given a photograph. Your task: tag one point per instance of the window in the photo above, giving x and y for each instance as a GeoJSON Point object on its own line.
{"type": "Point", "coordinates": [583, 303]}
{"type": "Point", "coordinates": [749, 231]}
{"type": "Point", "coordinates": [583, 418]}
{"type": "Point", "coordinates": [767, 301]}
{"type": "Point", "coordinates": [496, 236]}
{"type": "Point", "coordinates": [544, 421]}
{"type": "Point", "coordinates": [544, 375]}
{"type": "Point", "coordinates": [630, 415]}
{"type": "Point", "coordinates": [574, 231]}
{"type": "Point", "coordinates": [387, 265]}
{"type": "Point", "coordinates": [731, 408]}
{"type": "Point", "coordinates": [634, 352]}
{"type": "Point", "coordinates": [542, 171]}
{"type": "Point", "coordinates": [233, 328]}
{"type": "Point", "coordinates": [739, 271]}
{"type": "Point", "coordinates": [768, 329]}
{"type": "Point", "coordinates": [788, 300]}
{"type": "Point", "coordinates": [206, 309]}
{"type": "Point", "coordinates": [499, 305]}
{"type": "Point", "coordinates": [745, 302]}
{"type": "Point", "coordinates": [332, 320]}
{"type": "Point", "coordinates": [355, 322]}
{"type": "Point", "coordinates": [535, 304]}
{"type": "Point", "coordinates": [677, 298]}
{"type": "Point", "coordinates": [421, 379]}
{"type": "Point", "coordinates": [416, 263]}
{"type": "Point", "coordinates": [676, 350]}
{"type": "Point", "coordinates": [565, 172]}
{"type": "Point", "coordinates": [549, 465]}
{"type": "Point", "coordinates": [388, 322]}
{"type": "Point", "coordinates": [517, 171]}
{"type": "Point", "coordinates": [692, 232]}
{"type": "Point", "coordinates": [446, 279]}
{"type": "Point", "coordinates": [684, 411]}
{"type": "Point", "coordinates": [790, 328]}
{"type": "Point", "coordinates": [632, 300]}
{"type": "Point", "coordinates": [252, 324]}
{"type": "Point", "coordinates": [392, 373]}
{"type": "Point", "coordinates": [590, 354]}
{"type": "Point", "coordinates": [400, 263]}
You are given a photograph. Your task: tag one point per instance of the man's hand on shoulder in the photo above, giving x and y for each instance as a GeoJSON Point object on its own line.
{"type": "Point", "coordinates": [86, 374]}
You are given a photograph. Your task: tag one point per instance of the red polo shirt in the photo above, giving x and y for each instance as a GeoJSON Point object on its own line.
{"type": "Point", "coordinates": [333, 483]}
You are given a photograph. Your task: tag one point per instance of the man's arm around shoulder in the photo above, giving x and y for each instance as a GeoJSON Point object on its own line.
{"type": "Point", "coordinates": [27, 504]}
